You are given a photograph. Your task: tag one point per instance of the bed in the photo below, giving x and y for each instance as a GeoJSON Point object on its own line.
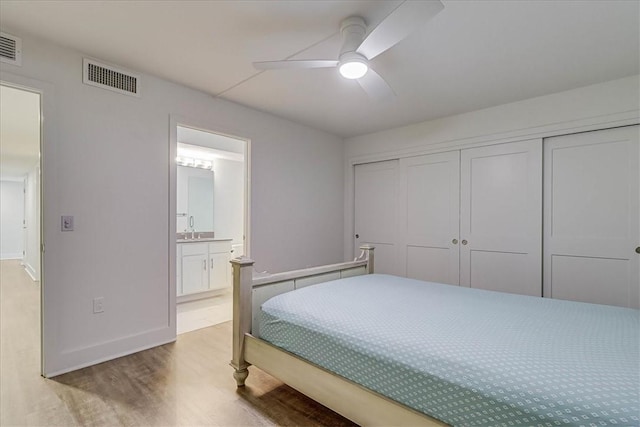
{"type": "Point", "coordinates": [383, 350]}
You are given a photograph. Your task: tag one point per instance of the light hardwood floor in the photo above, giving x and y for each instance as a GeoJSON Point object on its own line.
{"type": "Point", "coordinates": [188, 382]}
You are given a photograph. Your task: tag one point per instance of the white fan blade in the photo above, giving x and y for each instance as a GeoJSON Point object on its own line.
{"type": "Point", "coordinates": [274, 65]}
{"type": "Point", "coordinates": [375, 86]}
{"type": "Point", "coordinates": [405, 19]}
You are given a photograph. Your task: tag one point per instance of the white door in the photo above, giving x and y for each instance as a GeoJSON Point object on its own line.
{"type": "Point", "coordinates": [501, 217]}
{"type": "Point", "coordinates": [591, 217]}
{"type": "Point", "coordinates": [429, 217]}
{"type": "Point", "coordinates": [375, 212]}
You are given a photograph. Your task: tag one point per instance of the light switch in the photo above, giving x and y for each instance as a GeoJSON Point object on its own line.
{"type": "Point", "coordinates": [67, 223]}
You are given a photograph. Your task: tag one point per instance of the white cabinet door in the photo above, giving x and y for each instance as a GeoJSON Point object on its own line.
{"type": "Point", "coordinates": [219, 265]}
{"type": "Point", "coordinates": [195, 273]}
{"type": "Point", "coordinates": [375, 212]}
{"type": "Point", "coordinates": [429, 217]}
{"type": "Point", "coordinates": [501, 217]}
{"type": "Point", "coordinates": [591, 217]}
{"type": "Point", "coordinates": [218, 270]}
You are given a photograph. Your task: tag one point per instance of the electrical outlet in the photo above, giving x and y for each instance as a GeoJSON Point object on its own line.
{"type": "Point", "coordinates": [98, 305]}
{"type": "Point", "coordinates": [66, 223]}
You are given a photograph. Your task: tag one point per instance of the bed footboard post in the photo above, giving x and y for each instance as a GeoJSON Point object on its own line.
{"type": "Point", "coordinates": [368, 253]}
{"type": "Point", "coordinates": [242, 285]}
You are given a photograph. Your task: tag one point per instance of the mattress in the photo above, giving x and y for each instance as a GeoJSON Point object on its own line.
{"type": "Point", "coordinates": [467, 356]}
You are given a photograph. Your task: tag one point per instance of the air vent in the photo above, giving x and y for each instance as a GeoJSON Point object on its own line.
{"type": "Point", "coordinates": [10, 49]}
{"type": "Point", "coordinates": [110, 78]}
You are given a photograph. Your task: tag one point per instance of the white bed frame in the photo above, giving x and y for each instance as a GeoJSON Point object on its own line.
{"type": "Point", "coordinates": [360, 405]}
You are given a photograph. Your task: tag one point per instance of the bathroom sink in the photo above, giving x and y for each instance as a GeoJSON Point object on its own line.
{"type": "Point", "coordinates": [194, 237]}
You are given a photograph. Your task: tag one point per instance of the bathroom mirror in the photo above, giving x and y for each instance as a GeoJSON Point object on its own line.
{"type": "Point", "coordinates": [195, 196]}
{"type": "Point", "coordinates": [200, 201]}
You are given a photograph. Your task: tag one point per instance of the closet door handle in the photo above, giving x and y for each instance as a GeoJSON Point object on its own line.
{"type": "Point", "coordinates": [464, 242]}
{"type": "Point", "coordinates": [204, 264]}
{"type": "Point", "coordinates": [454, 241]}
{"type": "Point", "coordinates": [211, 263]}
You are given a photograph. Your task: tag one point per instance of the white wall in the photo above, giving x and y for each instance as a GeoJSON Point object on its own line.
{"type": "Point", "coordinates": [11, 216]}
{"type": "Point", "coordinates": [604, 105]}
{"type": "Point", "coordinates": [107, 162]}
{"type": "Point", "coordinates": [32, 219]}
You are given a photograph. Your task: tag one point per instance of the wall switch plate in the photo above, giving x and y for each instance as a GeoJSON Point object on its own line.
{"type": "Point", "coordinates": [66, 224]}
{"type": "Point", "coordinates": [98, 305]}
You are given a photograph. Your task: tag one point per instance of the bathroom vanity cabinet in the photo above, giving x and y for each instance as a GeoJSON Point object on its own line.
{"type": "Point", "coordinates": [203, 265]}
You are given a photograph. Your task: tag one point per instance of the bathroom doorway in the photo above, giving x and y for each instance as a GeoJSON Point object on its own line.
{"type": "Point", "coordinates": [210, 223]}
{"type": "Point", "coordinates": [21, 225]}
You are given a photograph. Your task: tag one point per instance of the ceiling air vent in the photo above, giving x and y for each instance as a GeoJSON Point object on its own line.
{"type": "Point", "coordinates": [110, 78]}
{"type": "Point", "coordinates": [10, 49]}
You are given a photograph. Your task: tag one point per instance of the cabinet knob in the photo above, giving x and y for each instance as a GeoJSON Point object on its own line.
{"type": "Point", "coordinates": [454, 241]}
{"type": "Point", "coordinates": [357, 236]}
{"type": "Point", "coordinates": [464, 242]}
{"type": "Point", "coordinates": [638, 250]}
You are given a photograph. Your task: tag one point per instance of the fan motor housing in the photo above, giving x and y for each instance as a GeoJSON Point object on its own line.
{"type": "Point", "coordinates": [353, 30]}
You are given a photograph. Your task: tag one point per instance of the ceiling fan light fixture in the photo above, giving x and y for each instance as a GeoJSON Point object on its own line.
{"type": "Point", "coordinates": [353, 69]}
{"type": "Point", "coordinates": [352, 65]}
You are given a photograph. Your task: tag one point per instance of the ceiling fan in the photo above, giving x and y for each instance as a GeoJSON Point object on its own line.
{"type": "Point", "coordinates": [358, 47]}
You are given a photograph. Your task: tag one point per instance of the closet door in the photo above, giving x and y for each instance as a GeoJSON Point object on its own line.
{"type": "Point", "coordinates": [375, 212]}
{"type": "Point", "coordinates": [429, 217]}
{"type": "Point", "coordinates": [501, 217]}
{"type": "Point", "coordinates": [591, 217]}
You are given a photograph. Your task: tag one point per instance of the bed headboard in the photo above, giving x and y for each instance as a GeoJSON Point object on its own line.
{"type": "Point", "coordinates": [249, 293]}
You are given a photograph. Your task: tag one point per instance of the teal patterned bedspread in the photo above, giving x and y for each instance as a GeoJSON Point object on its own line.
{"type": "Point", "coordinates": [467, 356]}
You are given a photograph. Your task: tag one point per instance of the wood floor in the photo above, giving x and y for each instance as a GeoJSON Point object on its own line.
{"type": "Point", "coordinates": [188, 382]}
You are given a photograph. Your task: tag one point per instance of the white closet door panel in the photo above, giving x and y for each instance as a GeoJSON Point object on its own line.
{"type": "Point", "coordinates": [500, 271]}
{"type": "Point", "coordinates": [498, 195]}
{"type": "Point", "coordinates": [501, 217]}
{"type": "Point", "coordinates": [385, 260]}
{"type": "Point", "coordinates": [375, 211]}
{"type": "Point", "coordinates": [429, 217]}
{"type": "Point", "coordinates": [590, 195]}
{"type": "Point", "coordinates": [588, 279]}
{"type": "Point", "coordinates": [592, 217]}
{"type": "Point", "coordinates": [430, 264]}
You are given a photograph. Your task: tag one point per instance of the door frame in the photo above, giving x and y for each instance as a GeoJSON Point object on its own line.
{"type": "Point", "coordinates": [47, 203]}
{"type": "Point", "coordinates": [204, 126]}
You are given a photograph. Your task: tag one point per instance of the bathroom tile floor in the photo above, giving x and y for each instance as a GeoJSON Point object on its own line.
{"type": "Point", "coordinates": [203, 313]}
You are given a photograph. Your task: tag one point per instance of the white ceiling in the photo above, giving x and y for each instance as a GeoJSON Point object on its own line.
{"type": "Point", "coordinates": [19, 132]}
{"type": "Point", "coordinates": [200, 144]}
{"type": "Point", "coordinates": [474, 54]}
{"type": "Point", "coordinates": [216, 141]}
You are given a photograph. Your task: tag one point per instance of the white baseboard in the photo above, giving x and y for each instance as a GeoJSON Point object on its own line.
{"type": "Point", "coordinates": [202, 295]}
{"type": "Point", "coordinates": [72, 360]}
{"type": "Point", "coordinates": [15, 255]}
{"type": "Point", "coordinates": [31, 272]}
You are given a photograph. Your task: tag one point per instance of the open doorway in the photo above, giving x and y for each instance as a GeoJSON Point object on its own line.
{"type": "Point", "coordinates": [20, 225]}
{"type": "Point", "coordinates": [211, 224]}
